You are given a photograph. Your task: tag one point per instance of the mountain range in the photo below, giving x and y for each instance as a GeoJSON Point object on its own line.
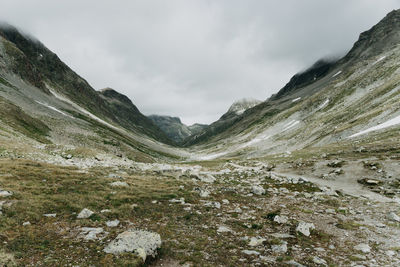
{"type": "Point", "coordinates": [307, 177]}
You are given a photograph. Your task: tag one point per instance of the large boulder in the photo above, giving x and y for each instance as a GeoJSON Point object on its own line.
{"type": "Point", "coordinates": [142, 242]}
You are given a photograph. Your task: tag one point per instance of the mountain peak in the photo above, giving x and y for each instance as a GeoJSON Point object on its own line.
{"type": "Point", "coordinates": [378, 39]}
{"type": "Point", "coordinates": [241, 105]}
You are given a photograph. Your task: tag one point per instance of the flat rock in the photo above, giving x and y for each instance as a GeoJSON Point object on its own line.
{"type": "Point", "coordinates": [250, 252]}
{"type": "Point", "coordinates": [223, 229]}
{"type": "Point", "coordinates": [4, 193]}
{"type": "Point", "coordinates": [393, 217]}
{"type": "Point", "coordinates": [258, 190]}
{"type": "Point", "coordinates": [304, 228]}
{"type": "Point", "coordinates": [119, 184]}
{"type": "Point", "coordinates": [281, 248]}
{"type": "Point", "coordinates": [144, 243]}
{"type": "Point", "coordinates": [90, 233]}
{"type": "Point", "coordinates": [85, 213]}
{"type": "Point", "coordinates": [113, 223]}
{"type": "Point", "coordinates": [364, 248]}
{"type": "Point", "coordinates": [281, 219]}
{"type": "Point", "coordinates": [254, 241]}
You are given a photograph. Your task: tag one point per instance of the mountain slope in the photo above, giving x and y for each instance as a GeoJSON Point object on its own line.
{"type": "Point", "coordinates": [235, 113]}
{"type": "Point", "coordinates": [174, 128]}
{"type": "Point", "coordinates": [350, 95]}
{"type": "Point", "coordinates": [35, 64]}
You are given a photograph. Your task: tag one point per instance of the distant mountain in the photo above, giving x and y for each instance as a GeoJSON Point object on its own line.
{"type": "Point", "coordinates": [234, 113]}
{"type": "Point", "coordinates": [174, 128]}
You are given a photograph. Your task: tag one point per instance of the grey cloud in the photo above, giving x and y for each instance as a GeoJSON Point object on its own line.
{"type": "Point", "coordinates": [190, 58]}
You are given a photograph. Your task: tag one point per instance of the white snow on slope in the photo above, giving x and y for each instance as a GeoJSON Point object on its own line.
{"type": "Point", "coordinates": [53, 108]}
{"type": "Point", "coordinates": [337, 73]}
{"type": "Point", "coordinates": [296, 99]}
{"type": "Point", "coordinates": [323, 104]}
{"type": "Point", "coordinates": [62, 98]}
{"type": "Point", "coordinates": [211, 156]}
{"type": "Point", "coordinates": [379, 59]}
{"type": "Point", "coordinates": [391, 122]}
{"type": "Point", "coordinates": [290, 125]}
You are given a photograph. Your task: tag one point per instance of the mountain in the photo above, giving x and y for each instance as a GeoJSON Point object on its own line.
{"type": "Point", "coordinates": [330, 102]}
{"type": "Point", "coordinates": [309, 177]}
{"type": "Point", "coordinates": [53, 104]}
{"type": "Point", "coordinates": [174, 128]}
{"type": "Point", "coordinates": [234, 113]}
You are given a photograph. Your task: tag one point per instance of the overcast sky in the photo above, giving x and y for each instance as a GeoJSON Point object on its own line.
{"type": "Point", "coordinates": [190, 58]}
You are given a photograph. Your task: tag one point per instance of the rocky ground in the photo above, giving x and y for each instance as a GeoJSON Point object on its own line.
{"type": "Point", "coordinates": [323, 211]}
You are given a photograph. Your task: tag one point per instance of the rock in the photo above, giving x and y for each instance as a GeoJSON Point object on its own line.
{"type": "Point", "coordinates": [282, 248]}
{"type": "Point", "coordinates": [181, 200]}
{"type": "Point", "coordinates": [258, 190]}
{"type": "Point", "coordinates": [4, 193]}
{"type": "Point", "coordinates": [113, 223]}
{"type": "Point", "coordinates": [105, 211]}
{"type": "Point", "coordinates": [225, 201]}
{"type": "Point", "coordinates": [142, 242]}
{"type": "Point", "coordinates": [90, 233]}
{"type": "Point", "coordinates": [250, 252]}
{"type": "Point", "coordinates": [204, 193]}
{"type": "Point", "coordinates": [390, 253]}
{"type": "Point", "coordinates": [119, 184]}
{"type": "Point", "coordinates": [53, 215]}
{"type": "Point", "coordinates": [319, 261]}
{"type": "Point", "coordinates": [254, 241]}
{"type": "Point", "coordinates": [281, 219]}
{"type": "Point", "coordinates": [223, 229]}
{"type": "Point", "coordinates": [393, 217]}
{"type": "Point", "coordinates": [26, 224]}
{"type": "Point", "coordinates": [294, 263]}
{"type": "Point", "coordinates": [330, 211]}
{"type": "Point", "coordinates": [304, 228]}
{"type": "Point", "coordinates": [69, 156]}
{"type": "Point", "coordinates": [364, 248]}
{"type": "Point", "coordinates": [85, 213]}
{"type": "Point", "coordinates": [204, 177]}
{"type": "Point", "coordinates": [212, 204]}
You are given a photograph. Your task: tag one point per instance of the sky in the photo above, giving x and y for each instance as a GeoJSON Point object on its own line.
{"type": "Point", "coordinates": [193, 58]}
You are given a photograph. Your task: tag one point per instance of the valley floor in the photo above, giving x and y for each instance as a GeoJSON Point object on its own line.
{"type": "Point", "coordinates": [288, 211]}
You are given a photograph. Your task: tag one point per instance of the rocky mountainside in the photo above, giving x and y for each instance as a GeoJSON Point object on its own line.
{"type": "Point", "coordinates": [24, 57]}
{"type": "Point", "coordinates": [309, 177]}
{"type": "Point", "coordinates": [330, 102]}
{"type": "Point", "coordinates": [234, 113]}
{"type": "Point", "coordinates": [174, 128]}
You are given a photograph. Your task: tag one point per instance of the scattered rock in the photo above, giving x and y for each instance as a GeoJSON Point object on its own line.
{"type": "Point", "coordinates": [142, 242]}
{"type": "Point", "coordinates": [250, 252]}
{"type": "Point", "coordinates": [26, 224]}
{"type": "Point", "coordinates": [254, 241]}
{"type": "Point", "coordinates": [258, 190]}
{"type": "Point", "coordinates": [113, 223]}
{"type": "Point", "coordinates": [319, 261]}
{"type": "Point", "coordinates": [85, 213]}
{"type": "Point", "coordinates": [181, 200]}
{"type": "Point", "coordinates": [304, 228]}
{"type": "Point", "coordinates": [53, 215]}
{"type": "Point", "coordinates": [4, 193]}
{"type": "Point", "coordinates": [393, 217]}
{"type": "Point", "coordinates": [213, 204]}
{"type": "Point", "coordinates": [281, 219]}
{"type": "Point", "coordinates": [90, 233]}
{"type": "Point", "coordinates": [281, 248]}
{"type": "Point", "coordinates": [364, 248]}
{"type": "Point", "coordinates": [119, 184]}
{"type": "Point", "coordinates": [223, 229]}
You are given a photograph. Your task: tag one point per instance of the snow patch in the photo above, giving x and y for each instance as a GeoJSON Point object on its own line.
{"type": "Point", "coordinates": [389, 123]}
{"type": "Point", "coordinates": [379, 59]}
{"type": "Point", "coordinates": [290, 125]}
{"type": "Point", "coordinates": [296, 99]}
{"type": "Point", "coordinates": [62, 98]}
{"type": "Point", "coordinates": [323, 104]}
{"type": "Point", "coordinates": [53, 108]}
{"type": "Point", "coordinates": [337, 73]}
{"type": "Point", "coordinates": [212, 156]}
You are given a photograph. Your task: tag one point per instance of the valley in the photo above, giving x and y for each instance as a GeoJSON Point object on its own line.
{"type": "Point", "coordinates": [308, 177]}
